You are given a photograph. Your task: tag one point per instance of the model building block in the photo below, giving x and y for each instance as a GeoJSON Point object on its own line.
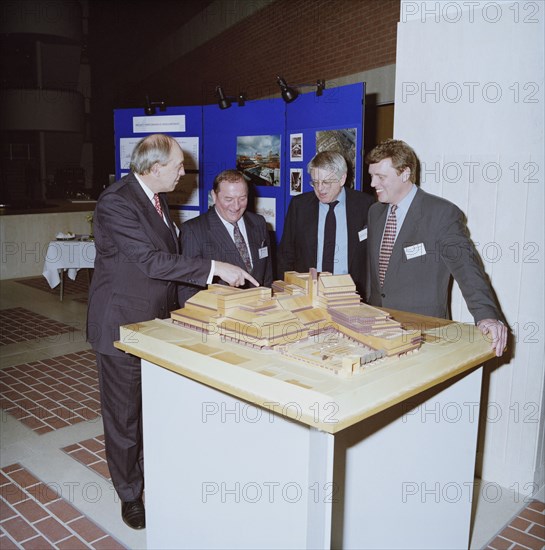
{"type": "Point", "coordinates": [314, 318]}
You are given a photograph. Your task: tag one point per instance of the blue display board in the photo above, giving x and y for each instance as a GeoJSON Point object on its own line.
{"type": "Point", "coordinates": [259, 129]}
{"type": "Point", "coordinates": [335, 120]}
{"type": "Point", "coordinates": [267, 139]}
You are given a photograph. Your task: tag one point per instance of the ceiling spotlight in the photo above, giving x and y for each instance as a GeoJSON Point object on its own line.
{"type": "Point", "coordinates": [288, 94]}
{"type": "Point", "coordinates": [150, 108]}
{"type": "Point", "coordinates": [320, 86]}
{"type": "Point", "coordinates": [291, 93]}
{"type": "Point", "coordinates": [223, 101]}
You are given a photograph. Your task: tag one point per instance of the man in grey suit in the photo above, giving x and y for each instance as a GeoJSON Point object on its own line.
{"type": "Point", "coordinates": [308, 235]}
{"type": "Point", "coordinates": [228, 232]}
{"type": "Point", "coordinates": [417, 241]}
{"type": "Point", "coordinates": [137, 268]}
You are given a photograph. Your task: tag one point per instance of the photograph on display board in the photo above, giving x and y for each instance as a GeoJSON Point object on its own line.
{"type": "Point", "coordinates": [258, 158]}
{"type": "Point", "coordinates": [266, 207]}
{"type": "Point", "coordinates": [296, 147]}
{"type": "Point", "coordinates": [186, 192]}
{"type": "Point", "coordinates": [296, 181]}
{"type": "Point", "coordinates": [344, 142]}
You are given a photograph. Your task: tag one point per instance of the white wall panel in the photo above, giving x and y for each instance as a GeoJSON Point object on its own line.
{"type": "Point", "coordinates": [24, 240]}
{"type": "Point", "coordinates": [469, 95]}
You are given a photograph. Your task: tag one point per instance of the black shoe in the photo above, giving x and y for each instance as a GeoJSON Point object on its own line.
{"type": "Point", "coordinates": [134, 514]}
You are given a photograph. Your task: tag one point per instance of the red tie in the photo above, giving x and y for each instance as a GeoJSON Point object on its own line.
{"type": "Point", "coordinates": [157, 203]}
{"type": "Point", "coordinates": [388, 240]}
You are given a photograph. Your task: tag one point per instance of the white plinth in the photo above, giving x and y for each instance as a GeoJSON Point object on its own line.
{"type": "Point", "coordinates": [224, 473]}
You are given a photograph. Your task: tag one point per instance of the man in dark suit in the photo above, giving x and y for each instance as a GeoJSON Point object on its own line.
{"type": "Point", "coordinates": [417, 241]}
{"type": "Point", "coordinates": [326, 228]}
{"type": "Point", "coordinates": [137, 268]}
{"type": "Point", "coordinates": [214, 235]}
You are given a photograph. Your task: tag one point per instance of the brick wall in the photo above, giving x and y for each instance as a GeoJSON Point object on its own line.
{"type": "Point", "coordinates": [301, 40]}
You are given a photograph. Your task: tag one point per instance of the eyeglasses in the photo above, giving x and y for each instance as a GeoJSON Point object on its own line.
{"type": "Point", "coordinates": [323, 183]}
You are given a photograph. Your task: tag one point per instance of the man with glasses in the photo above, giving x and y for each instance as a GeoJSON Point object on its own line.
{"type": "Point", "coordinates": [326, 228]}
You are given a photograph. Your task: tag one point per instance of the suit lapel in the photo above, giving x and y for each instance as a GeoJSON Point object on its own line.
{"type": "Point", "coordinates": [312, 234]}
{"type": "Point", "coordinates": [374, 249]}
{"type": "Point", "coordinates": [352, 219]}
{"type": "Point", "coordinates": [166, 212]}
{"type": "Point", "coordinates": [162, 232]}
{"type": "Point", "coordinates": [252, 230]}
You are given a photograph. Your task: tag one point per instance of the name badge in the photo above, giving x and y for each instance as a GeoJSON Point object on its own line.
{"type": "Point", "coordinates": [362, 235]}
{"type": "Point", "coordinates": [415, 251]}
{"type": "Point", "coordinates": [263, 252]}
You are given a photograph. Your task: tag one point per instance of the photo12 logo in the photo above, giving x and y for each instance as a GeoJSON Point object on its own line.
{"type": "Point", "coordinates": [470, 92]}
{"type": "Point", "coordinates": [475, 11]}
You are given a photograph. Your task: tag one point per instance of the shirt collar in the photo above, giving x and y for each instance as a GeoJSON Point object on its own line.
{"type": "Point", "coordinates": [145, 188]}
{"type": "Point", "coordinates": [406, 201]}
{"type": "Point", "coordinates": [227, 224]}
{"type": "Point", "coordinates": [341, 197]}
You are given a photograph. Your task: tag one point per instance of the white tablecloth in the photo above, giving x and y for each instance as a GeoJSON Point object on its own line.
{"type": "Point", "coordinates": [68, 255]}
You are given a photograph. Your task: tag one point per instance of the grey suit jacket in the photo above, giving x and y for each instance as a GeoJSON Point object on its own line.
{"type": "Point", "coordinates": [137, 265]}
{"type": "Point", "coordinates": [418, 282]}
{"type": "Point", "coordinates": [298, 250]}
{"type": "Point", "coordinates": [206, 237]}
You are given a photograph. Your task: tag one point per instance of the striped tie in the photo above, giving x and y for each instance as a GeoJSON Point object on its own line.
{"type": "Point", "coordinates": [388, 240]}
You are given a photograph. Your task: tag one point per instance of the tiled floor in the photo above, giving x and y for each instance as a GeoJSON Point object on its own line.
{"type": "Point", "coordinates": [19, 324]}
{"type": "Point", "coordinates": [53, 393]}
{"type": "Point", "coordinates": [35, 516]}
{"type": "Point", "coordinates": [90, 453]}
{"type": "Point", "coordinates": [79, 286]}
{"type": "Point", "coordinates": [55, 490]}
{"type": "Point", "coordinates": [525, 530]}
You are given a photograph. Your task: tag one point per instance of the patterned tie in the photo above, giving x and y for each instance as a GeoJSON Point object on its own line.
{"type": "Point", "coordinates": [388, 240]}
{"type": "Point", "coordinates": [157, 203]}
{"type": "Point", "coordinates": [330, 237]}
{"type": "Point", "coordinates": [240, 243]}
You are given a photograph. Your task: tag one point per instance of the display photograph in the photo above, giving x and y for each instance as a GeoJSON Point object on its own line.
{"type": "Point", "coordinates": [343, 141]}
{"type": "Point", "coordinates": [296, 147]}
{"type": "Point", "coordinates": [258, 158]}
{"type": "Point", "coordinates": [296, 181]}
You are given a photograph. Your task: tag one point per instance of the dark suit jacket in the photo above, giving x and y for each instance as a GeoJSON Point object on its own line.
{"type": "Point", "coordinates": [419, 284]}
{"type": "Point", "coordinates": [206, 237]}
{"type": "Point", "coordinates": [298, 250]}
{"type": "Point", "coordinates": [137, 266]}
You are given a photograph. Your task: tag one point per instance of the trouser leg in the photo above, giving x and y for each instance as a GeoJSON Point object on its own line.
{"type": "Point", "coordinates": [121, 402]}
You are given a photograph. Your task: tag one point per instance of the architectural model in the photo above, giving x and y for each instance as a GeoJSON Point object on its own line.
{"type": "Point", "coordinates": [317, 319]}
